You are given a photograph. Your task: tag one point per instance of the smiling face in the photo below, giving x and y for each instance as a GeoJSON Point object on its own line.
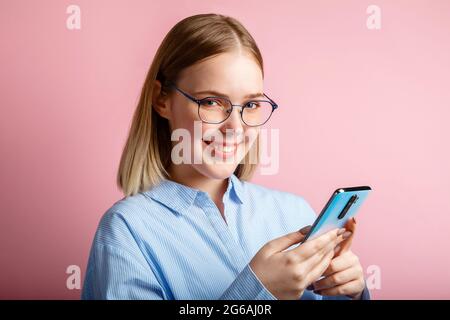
{"type": "Point", "coordinates": [235, 75]}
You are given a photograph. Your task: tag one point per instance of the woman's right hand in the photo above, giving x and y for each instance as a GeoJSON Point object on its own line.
{"type": "Point", "coordinates": [287, 273]}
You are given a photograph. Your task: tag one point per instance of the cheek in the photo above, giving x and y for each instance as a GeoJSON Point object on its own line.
{"type": "Point", "coordinates": [184, 123]}
{"type": "Point", "coordinates": [250, 136]}
{"type": "Point", "coordinates": [183, 116]}
{"type": "Point", "coordinates": [202, 130]}
{"type": "Point", "coordinates": [208, 130]}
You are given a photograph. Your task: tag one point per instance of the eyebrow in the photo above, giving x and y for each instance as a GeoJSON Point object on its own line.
{"type": "Point", "coordinates": [219, 94]}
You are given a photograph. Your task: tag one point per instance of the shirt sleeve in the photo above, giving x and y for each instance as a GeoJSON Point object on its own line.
{"type": "Point", "coordinates": [114, 274]}
{"type": "Point", "coordinates": [247, 286]}
{"type": "Point", "coordinates": [117, 269]}
{"type": "Point", "coordinates": [365, 296]}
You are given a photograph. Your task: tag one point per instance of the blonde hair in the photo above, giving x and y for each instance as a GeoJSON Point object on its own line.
{"type": "Point", "coordinates": [146, 155]}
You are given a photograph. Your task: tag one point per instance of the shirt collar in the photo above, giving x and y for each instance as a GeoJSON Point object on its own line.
{"type": "Point", "coordinates": [237, 188]}
{"type": "Point", "coordinates": [180, 198]}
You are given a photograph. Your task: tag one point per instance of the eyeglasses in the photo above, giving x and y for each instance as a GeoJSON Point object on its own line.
{"type": "Point", "coordinates": [215, 110]}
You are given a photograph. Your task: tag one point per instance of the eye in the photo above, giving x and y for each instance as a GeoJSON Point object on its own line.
{"type": "Point", "coordinates": [210, 102]}
{"type": "Point", "coordinates": [252, 105]}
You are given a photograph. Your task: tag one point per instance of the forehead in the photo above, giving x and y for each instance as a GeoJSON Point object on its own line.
{"type": "Point", "coordinates": [234, 74]}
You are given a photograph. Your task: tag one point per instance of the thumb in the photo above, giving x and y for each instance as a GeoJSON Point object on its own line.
{"type": "Point", "coordinates": [284, 242]}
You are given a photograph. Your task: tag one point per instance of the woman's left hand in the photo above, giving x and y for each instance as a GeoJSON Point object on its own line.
{"type": "Point", "coordinates": [344, 275]}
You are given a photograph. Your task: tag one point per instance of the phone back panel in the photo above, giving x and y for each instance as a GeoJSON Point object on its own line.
{"type": "Point", "coordinates": [329, 217]}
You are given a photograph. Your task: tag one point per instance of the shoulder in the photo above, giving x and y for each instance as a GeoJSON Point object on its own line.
{"type": "Point", "coordinates": [135, 208]}
{"type": "Point", "coordinates": [289, 203]}
{"type": "Point", "coordinates": [126, 219]}
{"type": "Point", "coordinates": [262, 192]}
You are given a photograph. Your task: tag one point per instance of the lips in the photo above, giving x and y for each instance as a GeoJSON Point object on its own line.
{"type": "Point", "coordinates": [223, 147]}
{"type": "Point", "coordinates": [226, 148]}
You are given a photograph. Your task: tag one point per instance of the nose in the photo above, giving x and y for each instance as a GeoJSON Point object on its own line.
{"type": "Point", "coordinates": [234, 121]}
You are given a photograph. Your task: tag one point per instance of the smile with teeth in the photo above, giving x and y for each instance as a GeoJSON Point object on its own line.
{"type": "Point", "coordinates": [227, 148]}
{"type": "Point", "coordinates": [222, 148]}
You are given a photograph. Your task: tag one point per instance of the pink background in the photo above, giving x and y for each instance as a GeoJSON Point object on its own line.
{"type": "Point", "coordinates": [358, 106]}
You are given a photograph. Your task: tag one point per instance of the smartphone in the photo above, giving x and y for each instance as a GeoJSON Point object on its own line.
{"type": "Point", "coordinates": [343, 205]}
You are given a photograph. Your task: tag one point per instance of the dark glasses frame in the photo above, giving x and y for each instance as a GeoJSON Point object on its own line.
{"type": "Point", "coordinates": [274, 105]}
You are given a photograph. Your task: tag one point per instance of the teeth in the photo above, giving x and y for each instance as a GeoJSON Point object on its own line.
{"type": "Point", "coordinates": [220, 147]}
{"type": "Point", "coordinates": [223, 148]}
{"type": "Point", "coordinates": [228, 149]}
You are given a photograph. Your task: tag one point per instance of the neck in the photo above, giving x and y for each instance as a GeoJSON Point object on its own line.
{"type": "Point", "coordinates": [190, 177]}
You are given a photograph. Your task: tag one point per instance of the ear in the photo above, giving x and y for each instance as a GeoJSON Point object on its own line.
{"type": "Point", "coordinates": [159, 101]}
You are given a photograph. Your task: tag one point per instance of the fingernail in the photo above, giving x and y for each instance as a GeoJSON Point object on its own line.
{"type": "Point", "coordinates": [341, 231]}
{"type": "Point", "coordinates": [336, 249]}
{"type": "Point", "coordinates": [304, 230]}
{"type": "Point", "coordinates": [347, 234]}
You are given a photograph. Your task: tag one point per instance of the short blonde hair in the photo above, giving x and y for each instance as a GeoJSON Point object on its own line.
{"type": "Point", "coordinates": [146, 155]}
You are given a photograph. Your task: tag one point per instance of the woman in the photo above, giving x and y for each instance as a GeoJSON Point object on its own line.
{"type": "Point", "coordinates": [191, 226]}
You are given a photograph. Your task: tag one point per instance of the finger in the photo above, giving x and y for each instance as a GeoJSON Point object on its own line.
{"type": "Point", "coordinates": [309, 248]}
{"type": "Point", "coordinates": [317, 258]}
{"type": "Point", "coordinates": [337, 278]}
{"type": "Point", "coordinates": [347, 289]}
{"type": "Point", "coordinates": [345, 245]}
{"type": "Point", "coordinates": [334, 241]}
{"type": "Point", "coordinates": [318, 269]}
{"type": "Point", "coordinates": [305, 230]}
{"type": "Point", "coordinates": [351, 225]}
{"type": "Point", "coordinates": [317, 262]}
{"type": "Point", "coordinates": [341, 263]}
{"type": "Point", "coordinates": [284, 242]}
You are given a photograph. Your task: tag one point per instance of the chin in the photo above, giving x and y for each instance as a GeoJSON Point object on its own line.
{"type": "Point", "coordinates": [216, 168]}
{"type": "Point", "coordinates": [219, 171]}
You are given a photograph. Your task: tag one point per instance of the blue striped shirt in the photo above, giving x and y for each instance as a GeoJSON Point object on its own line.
{"type": "Point", "coordinates": [171, 242]}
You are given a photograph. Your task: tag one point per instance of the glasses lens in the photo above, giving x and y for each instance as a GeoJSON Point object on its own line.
{"type": "Point", "coordinates": [257, 113]}
{"type": "Point", "coordinates": [214, 110]}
